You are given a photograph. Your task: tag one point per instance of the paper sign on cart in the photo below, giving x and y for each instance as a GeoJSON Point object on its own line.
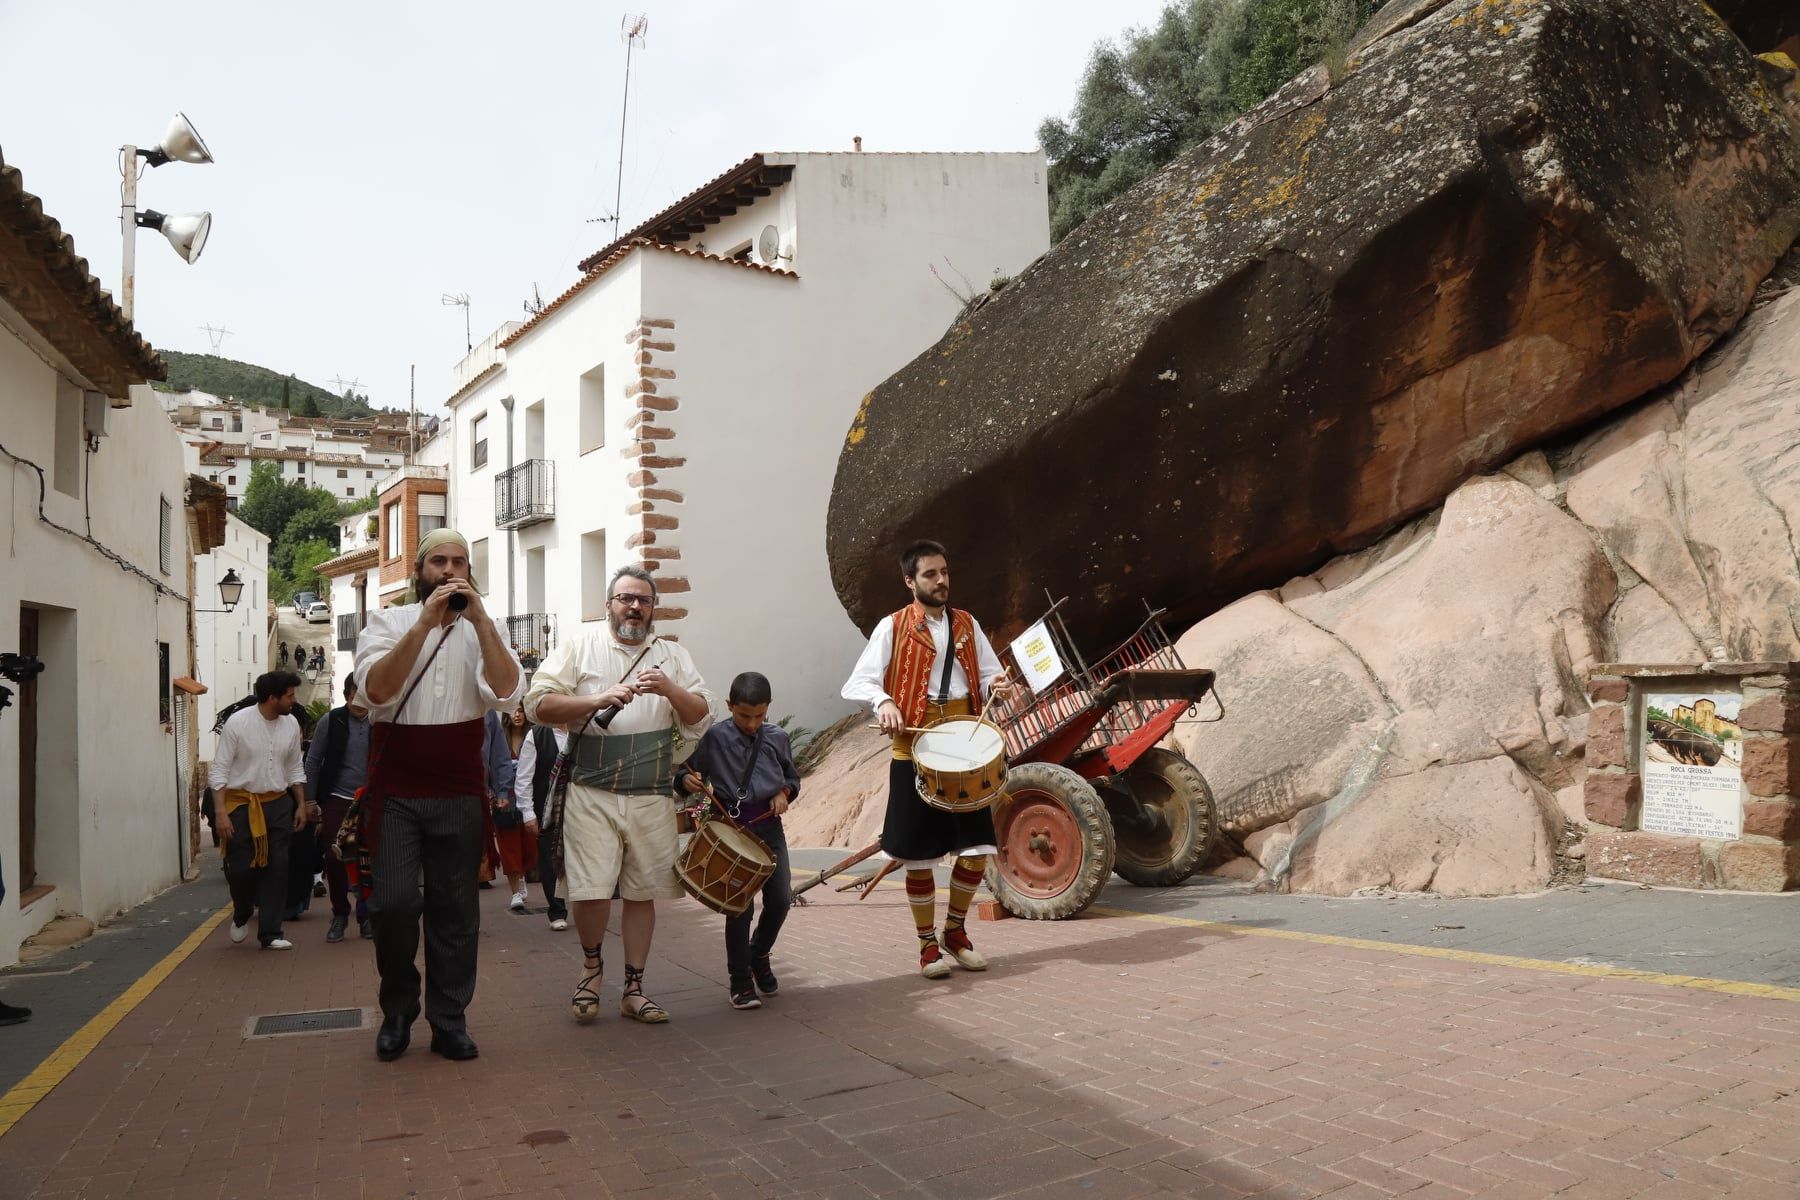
{"type": "Point", "coordinates": [1036, 655]}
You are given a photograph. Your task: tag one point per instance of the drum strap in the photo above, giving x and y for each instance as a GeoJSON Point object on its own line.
{"type": "Point", "coordinates": [743, 784]}
{"type": "Point", "coordinates": [949, 656]}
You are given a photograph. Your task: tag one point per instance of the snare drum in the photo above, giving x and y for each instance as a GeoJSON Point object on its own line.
{"type": "Point", "coordinates": [960, 763]}
{"type": "Point", "coordinates": [723, 866]}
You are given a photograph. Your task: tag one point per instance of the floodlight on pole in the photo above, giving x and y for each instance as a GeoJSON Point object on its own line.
{"type": "Point", "coordinates": [185, 231]}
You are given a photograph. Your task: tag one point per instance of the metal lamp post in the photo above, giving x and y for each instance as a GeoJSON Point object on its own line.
{"type": "Point", "coordinates": [187, 232]}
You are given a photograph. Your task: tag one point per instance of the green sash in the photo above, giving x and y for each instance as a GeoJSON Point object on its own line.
{"type": "Point", "coordinates": [632, 764]}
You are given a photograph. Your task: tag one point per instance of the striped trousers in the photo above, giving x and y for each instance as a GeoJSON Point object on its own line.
{"type": "Point", "coordinates": [425, 866]}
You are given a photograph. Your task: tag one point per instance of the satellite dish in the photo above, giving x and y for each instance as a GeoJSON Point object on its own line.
{"type": "Point", "coordinates": [768, 245]}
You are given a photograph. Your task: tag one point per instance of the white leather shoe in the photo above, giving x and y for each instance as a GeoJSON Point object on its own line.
{"type": "Point", "coordinates": [279, 943]}
{"type": "Point", "coordinates": [240, 932]}
{"type": "Point", "coordinates": [518, 901]}
{"type": "Point", "coordinates": [559, 925]}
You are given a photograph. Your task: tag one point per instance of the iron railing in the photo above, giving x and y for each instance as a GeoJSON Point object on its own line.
{"type": "Point", "coordinates": [525, 494]}
{"type": "Point", "coordinates": [533, 635]}
{"type": "Point", "coordinates": [348, 626]}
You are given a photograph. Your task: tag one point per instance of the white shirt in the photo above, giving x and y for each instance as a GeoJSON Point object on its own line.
{"type": "Point", "coordinates": [868, 682]}
{"type": "Point", "coordinates": [256, 754]}
{"type": "Point", "coordinates": [594, 661]}
{"type": "Point", "coordinates": [527, 767]}
{"type": "Point", "coordinates": [458, 688]}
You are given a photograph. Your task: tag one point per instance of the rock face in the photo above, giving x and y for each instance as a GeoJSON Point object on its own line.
{"type": "Point", "coordinates": [1414, 716]}
{"type": "Point", "coordinates": [1508, 218]}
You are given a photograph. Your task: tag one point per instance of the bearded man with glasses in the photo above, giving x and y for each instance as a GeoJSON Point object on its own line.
{"type": "Point", "coordinates": [630, 700]}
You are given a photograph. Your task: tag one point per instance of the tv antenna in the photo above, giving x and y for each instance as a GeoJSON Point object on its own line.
{"type": "Point", "coordinates": [218, 336]}
{"type": "Point", "coordinates": [460, 300]}
{"type": "Point", "coordinates": [535, 305]}
{"type": "Point", "coordinates": [633, 29]}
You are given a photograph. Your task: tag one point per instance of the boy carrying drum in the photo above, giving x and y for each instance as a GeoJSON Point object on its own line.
{"type": "Point", "coordinates": [750, 766]}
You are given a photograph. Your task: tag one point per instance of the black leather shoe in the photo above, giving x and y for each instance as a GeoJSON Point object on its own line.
{"type": "Point", "coordinates": [336, 932]}
{"type": "Point", "coordinates": [453, 1044]}
{"type": "Point", "coordinates": [394, 1038]}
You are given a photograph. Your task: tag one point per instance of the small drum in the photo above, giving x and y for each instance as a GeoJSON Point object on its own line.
{"type": "Point", "coordinates": [723, 866]}
{"type": "Point", "coordinates": [960, 763]}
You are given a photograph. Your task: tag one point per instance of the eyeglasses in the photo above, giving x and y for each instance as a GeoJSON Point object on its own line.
{"type": "Point", "coordinates": [632, 600]}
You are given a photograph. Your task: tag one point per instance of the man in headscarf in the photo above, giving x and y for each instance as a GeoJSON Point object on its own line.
{"type": "Point", "coordinates": [618, 819]}
{"type": "Point", "coordinates": [429, 670]}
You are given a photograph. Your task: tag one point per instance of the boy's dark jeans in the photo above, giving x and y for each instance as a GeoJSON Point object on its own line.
{"type": "Point", "coordinates": [741, 946]}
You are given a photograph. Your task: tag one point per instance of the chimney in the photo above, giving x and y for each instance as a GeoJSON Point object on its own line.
{"type": "Point", "coordinates": [858, 141]}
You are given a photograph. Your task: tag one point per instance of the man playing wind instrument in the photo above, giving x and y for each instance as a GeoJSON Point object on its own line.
{"type": "Point", "coordinates": [617, 822]}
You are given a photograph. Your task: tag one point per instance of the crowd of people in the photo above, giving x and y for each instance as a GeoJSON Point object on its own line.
{"type": "Point", "coordinates": [417, 792]}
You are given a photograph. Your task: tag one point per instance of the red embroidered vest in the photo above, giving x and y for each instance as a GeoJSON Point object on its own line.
{"type": "Point", "coordinates": [909, 679]}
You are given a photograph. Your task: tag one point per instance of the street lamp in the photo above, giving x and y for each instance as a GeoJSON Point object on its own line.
{"type": "Point", "coordinates": [231, 590]}
{"type": "Point", "coordinates": [185, 231]}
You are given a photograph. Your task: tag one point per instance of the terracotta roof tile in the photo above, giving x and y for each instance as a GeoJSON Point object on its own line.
{"type": "Point", "coordinates": [752, 172]}
{"type": "Point", "coordinates": [106, 348]}
{"type": "Point", "coordinates": [617, 256]}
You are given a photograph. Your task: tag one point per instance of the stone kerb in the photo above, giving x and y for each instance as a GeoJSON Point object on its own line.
{"type": "Point", "coordinates": [1690, 840]}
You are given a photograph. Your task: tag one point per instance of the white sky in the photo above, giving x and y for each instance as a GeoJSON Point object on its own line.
{"type": "Point", "coordinates": [375, 155]}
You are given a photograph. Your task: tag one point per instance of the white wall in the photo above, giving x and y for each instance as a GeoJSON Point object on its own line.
{"type": "Point", "coordinates": [111, 820]}
{"type": "Point", "coordinates": [232, 648]}
{"type": "Point", "coordinates": [769, 372]}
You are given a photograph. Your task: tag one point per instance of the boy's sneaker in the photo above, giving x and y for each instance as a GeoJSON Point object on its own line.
{"type": "Point", "coordinates": [956, 941]}
{"type": "Point", "coordinates": [518, 901]}
{"type": "Point", "coordinates": [932, 963]}
{"type": "Point", "coordinates": [744, 996]}
{"type": "Point", "coordinates": [766, 983]}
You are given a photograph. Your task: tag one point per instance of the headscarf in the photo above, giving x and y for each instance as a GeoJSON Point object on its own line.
{"type": "Point", "coordinates": [428, 543]}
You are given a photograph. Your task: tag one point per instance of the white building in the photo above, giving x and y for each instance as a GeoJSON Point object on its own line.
{"type": "Point", "coordinates": [96, 752]}
{"type": "Point", "coordinates": [231, 648]}
{"type": "Point", "coordinates": [346, 456]}
{"type": "Point", "coordinates": [683, 405]}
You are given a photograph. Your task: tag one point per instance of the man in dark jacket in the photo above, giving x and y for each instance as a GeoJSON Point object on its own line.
{"type": "Point", "coordinates": [337, 765]}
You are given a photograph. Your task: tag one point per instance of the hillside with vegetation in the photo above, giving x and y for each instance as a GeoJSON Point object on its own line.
{"type": "Point", "coordinates": [258, 385]}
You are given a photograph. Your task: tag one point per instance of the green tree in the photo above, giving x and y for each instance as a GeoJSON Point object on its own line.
{"type": "Point", "coordinates": [269, 502]}
{"type": "Point", "coordinates": [317, 520]}
{"type": "Point", "coordinates": [1160, 90]}
{"type": "Point", "coordinates": [305, 558]}
{"type": "Point", "coordinates": [304, 406]}
{"type": "Point", "coordinates": [287, 392]}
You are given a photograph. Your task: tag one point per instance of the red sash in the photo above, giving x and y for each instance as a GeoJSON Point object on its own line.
{"type": "Point", "coordinates": [422, 761]}
{"type": "Point", "coordinates": [909, 679]}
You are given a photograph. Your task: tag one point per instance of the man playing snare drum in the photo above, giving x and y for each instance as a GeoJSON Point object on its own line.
{"type": "Point", "coordinates": [618, 822]}
{"type": "Point", "coordinates": [922, 664]}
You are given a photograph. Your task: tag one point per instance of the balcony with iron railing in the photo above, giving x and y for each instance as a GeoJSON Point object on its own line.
{"type": "Point", "coordinates": [525, 494]}
{"type": "Point", "coordinates": [533, 635]}
{"type": "Point", "coordinates": [348, 627]}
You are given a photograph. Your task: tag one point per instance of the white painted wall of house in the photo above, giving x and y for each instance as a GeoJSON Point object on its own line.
{"type": "Point", "coordinates": [769, 373]}
{"type": "Point", "coordinates": [111, 821]}
{"type": "Point", "coordinates": [231, 648]}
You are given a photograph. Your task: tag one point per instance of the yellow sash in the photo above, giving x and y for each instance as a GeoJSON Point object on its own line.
{"type": "Point", "coordinates": [236, 798]}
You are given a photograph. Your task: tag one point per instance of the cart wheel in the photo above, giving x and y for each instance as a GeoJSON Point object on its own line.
{"type": "Point", "coordinates": [1055, 840]}
{"type": "Point", "coordinates": [1168, 849]}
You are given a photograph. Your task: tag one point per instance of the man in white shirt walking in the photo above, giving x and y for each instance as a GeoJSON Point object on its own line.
{"type": "Point", "coordinates": [618, 823]}
{"type": "Point", "coordinates": [259, 801]}
{"type": "Point", "coordinates": [429, 671]}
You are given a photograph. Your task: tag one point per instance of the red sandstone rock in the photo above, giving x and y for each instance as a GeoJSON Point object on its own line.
{"type": "Point", "coordinates": [1611, 799]}
{"type": "Point", "coordinates": [1646, 858]}
{"type": "Point", "coordinates": [1759, 866]}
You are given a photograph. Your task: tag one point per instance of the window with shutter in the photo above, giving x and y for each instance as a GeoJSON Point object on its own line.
{"type": "Point", "coordinates": [164, 531]}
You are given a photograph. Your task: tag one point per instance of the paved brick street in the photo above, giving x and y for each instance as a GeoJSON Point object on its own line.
{"type": "Point", "coordinates": [1114, 1056]}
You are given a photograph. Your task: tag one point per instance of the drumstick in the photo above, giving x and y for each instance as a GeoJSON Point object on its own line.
{"type": "Point", "coordinates": [907, 729]}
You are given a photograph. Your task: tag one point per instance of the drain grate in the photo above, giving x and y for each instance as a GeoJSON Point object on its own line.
{"type": "Point", "coordinates": [328, 1020]}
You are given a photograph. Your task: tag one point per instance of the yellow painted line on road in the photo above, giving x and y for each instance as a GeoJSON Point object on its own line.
{"type": "Point", "coordinates": [1733, 987]}
{"type": "Point", "coordinates": [23, 1096]}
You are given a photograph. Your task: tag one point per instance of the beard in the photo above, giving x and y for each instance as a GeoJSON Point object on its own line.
{"type": "Point", "coordinates": [929, 598]}
{"type": "Point", "coordinates": [631, 630]}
